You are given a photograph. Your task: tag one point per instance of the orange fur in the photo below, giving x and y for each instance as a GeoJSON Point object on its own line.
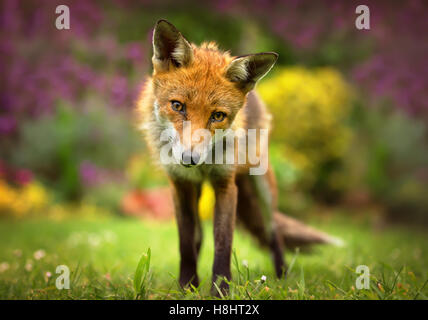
{"type": "Point", "coordinates": [205, 80]}
{"type": "Point", "coordinates": [203, 87]}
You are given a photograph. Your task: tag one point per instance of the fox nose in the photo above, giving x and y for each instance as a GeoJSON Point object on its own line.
{"type": "Point", "coordinates": [190, 158]}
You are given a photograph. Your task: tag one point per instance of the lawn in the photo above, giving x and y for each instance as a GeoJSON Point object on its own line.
{"type": "Point", "coordinates": [103, 254]}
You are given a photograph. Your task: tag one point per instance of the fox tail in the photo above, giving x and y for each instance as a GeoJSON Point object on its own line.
{"type": "Point", "coordinates": [296, 234]}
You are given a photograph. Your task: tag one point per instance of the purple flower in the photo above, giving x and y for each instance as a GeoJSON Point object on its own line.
{"type": "Point", "coordinates": [7, 125]}
{"type": "Point", "coordinates": [134, 52]}
{"type": "Point", "coordinates": [23, 176]}
{"type": "Point", "coordinates": [119, 90]}
{"type": "Point", "coordinates": [89, 174]}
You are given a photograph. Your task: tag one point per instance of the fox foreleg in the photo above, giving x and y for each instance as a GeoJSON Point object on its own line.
{"type": "Point", "coordinates": [186, 195]}
{"type": "Point", "coordinates": [224, 223]}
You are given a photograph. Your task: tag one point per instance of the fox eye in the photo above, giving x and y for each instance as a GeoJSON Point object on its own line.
{"type": "Point", "coordinates": [177, 106]}
{"type": "Point", "coordinates": [218, 116]}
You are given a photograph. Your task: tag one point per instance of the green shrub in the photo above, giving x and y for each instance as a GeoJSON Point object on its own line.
{"type": "Point", "coordinates": [388, 158]}
{"type": "Point", "coordinates": [70, 147]}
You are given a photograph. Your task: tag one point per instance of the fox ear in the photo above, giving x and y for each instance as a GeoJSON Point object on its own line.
{"type": "Point", "coordinates": [169, 46]}
{"type": "Point", "coordinates": [247, 70]}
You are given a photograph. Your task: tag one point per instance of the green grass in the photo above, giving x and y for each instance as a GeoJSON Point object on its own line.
{"type": "Point", "coordinates": [103, 256]}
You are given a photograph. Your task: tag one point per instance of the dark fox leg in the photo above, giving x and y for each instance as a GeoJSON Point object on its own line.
{"type": "Point", "coordinates": [186, 195]}
{"type": "Point", "coordinates": [256, 205]}
{"type": "Point", "coordinates": [224, 224]}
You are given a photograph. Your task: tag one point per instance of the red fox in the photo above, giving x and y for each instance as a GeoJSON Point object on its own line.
{"type": "Point", "coordinates": [212, 91]}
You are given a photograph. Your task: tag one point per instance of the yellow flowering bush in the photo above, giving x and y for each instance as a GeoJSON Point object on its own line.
{"type": "Point", "coordinates": [309, 108]}
{"type": "Point", "coordinates": [33, 200]}
{"type": "Point", "coordinates": [22, 201]}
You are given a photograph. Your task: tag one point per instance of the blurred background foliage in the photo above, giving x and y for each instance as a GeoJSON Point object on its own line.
{"type": "Point", "coordinates": [350, 107]}
{"type": "Point", "coordinates": [310, 108]}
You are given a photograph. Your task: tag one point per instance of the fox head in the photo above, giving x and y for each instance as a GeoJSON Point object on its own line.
{"type": "Point", "coordinates": [199, 89]}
